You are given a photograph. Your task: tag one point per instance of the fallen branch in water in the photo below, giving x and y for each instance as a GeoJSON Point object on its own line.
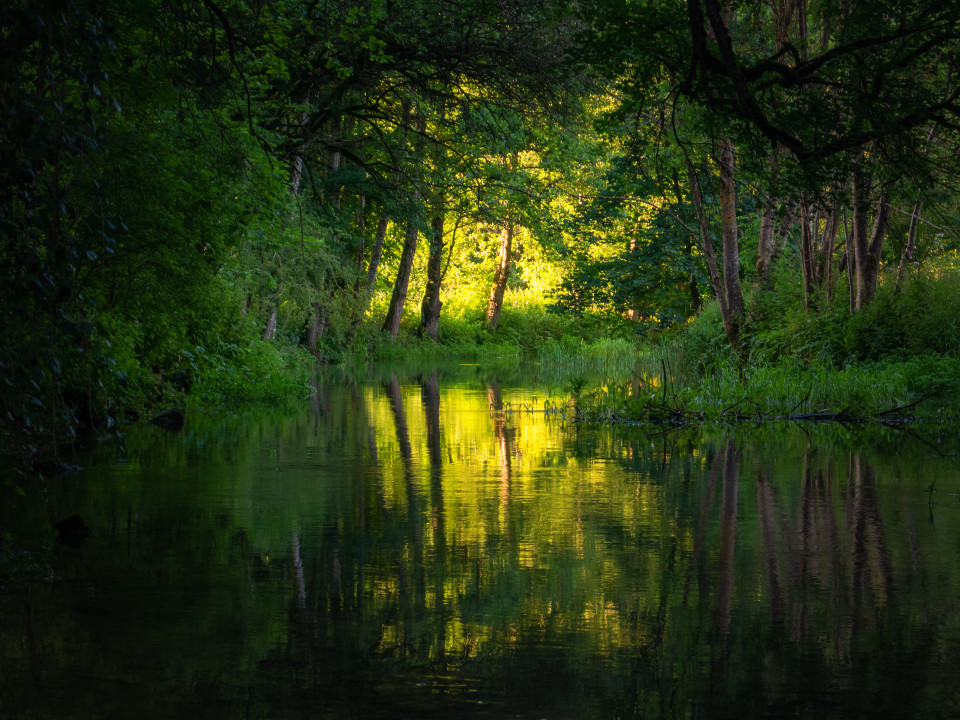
{"type": "Point", "coordinates": [901, 408]}
{"type": "Point", "coordinates": [824, 416]}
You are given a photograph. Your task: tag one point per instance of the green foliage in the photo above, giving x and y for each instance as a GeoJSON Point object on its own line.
{"type": "Point", "coordinates": [899, 350]}
{"type": "Point", "coordinates": [532, 325]}
{"type": "Point", "coordinates": [255, 371]}
{"type": "Point", "coordinates": [923, 318]}
{"type": "Point", "coordinates": [924, 387]}
{"type": "Point", "coordinates": [701, 345]}
{"type": "Point", "coordinates": [628, 254]}
{"type": "Point", "coordinates": [613, 355]}
{"type": "Point", "coordinates": [188, 181]}
{"type": "Point", "coordinates": [117, 224]}
{"type": "Point", "coordinates": [920, 319]}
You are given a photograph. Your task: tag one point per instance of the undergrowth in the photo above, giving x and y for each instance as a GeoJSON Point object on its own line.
{"type": "Point", "coordinates": [923, 387]}
{"type": "Point", "coordinates": [255, 372]}
{"type": "Point", "coordinates": [897, 358]}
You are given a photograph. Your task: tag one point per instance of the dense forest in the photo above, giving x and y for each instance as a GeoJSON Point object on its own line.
{"type": "Point", "coordinates": [206, 198]}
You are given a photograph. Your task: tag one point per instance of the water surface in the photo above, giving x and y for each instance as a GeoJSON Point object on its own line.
{"type": "Point", "coordinates": [434, 545]}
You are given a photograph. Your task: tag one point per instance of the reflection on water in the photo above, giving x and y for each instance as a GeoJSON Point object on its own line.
{"type": "Point", "coordinates": [433, 547]}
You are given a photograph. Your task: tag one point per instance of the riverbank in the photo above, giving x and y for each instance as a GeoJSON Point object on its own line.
{"type": "Point", "coordinates": [896, 361]}
{"type": "Point", "coordinates": [920, 388]}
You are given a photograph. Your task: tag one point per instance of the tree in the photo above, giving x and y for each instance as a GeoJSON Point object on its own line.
{"type": "Point", "coordinates": [828, 107]}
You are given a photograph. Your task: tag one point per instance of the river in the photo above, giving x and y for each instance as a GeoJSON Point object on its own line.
{"type": "Point", "coordinates": [435, 545]}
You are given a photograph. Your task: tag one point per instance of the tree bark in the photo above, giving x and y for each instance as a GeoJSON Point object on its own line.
{"type": "Point", "coordinates": [731, 250]}
{"type": "Point", "coordinates": [848, 259]}
{"type": "Point", "coordinates": [361, 232]}
{"type": "Point", "coordinates": [500, 275]}
{"type": "Point", "coordinates": [861, 240]}
{"type": "Point", "coordinates": [270, 330]}
{"type": "Point", "coordinates": [827, 245]}
{"type": "Point", "coordinates": [391, 323]}
{"type": "Point", "coordinates": [315, 331]}
{"type": "Point", "coordinates": [808, 264]}
{"type": "Point", "coordinates": [706, 241]}
{"type": "Point", "coordinates": [693, 288]}
{"type": "Point", "coordinates": [633, 314]}
{"type": "Point", "coordinates": [296, 175]}
{"type": "Point", "coordinates": [395, 312]}
{"type": "Point", "coordinates": [726, 287]}
{"type": "Point", "coordinates": [907, 256]}
{"type": "Point", "coordinates": [768, 241]}
{"type": "Point", "coordinates": [867, 247]}
{"type": "Point", "coordinates": [766, 245]}
{"type": "Point", "coordinates": [321, 317]}
{"type": "Point", "coordinates": [431, 306]}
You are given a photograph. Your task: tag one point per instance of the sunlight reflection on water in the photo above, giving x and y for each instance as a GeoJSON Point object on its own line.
{"type": "Point", "coordinates": [418, 547]}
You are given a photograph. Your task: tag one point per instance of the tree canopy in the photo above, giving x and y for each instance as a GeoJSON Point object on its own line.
{"type": "Point", "coordinates": [189, 190]}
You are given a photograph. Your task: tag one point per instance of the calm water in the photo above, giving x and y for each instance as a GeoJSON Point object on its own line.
{"type": "Point", "coordinates": [400, 549]}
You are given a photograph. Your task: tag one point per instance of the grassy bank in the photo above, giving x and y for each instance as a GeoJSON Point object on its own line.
{"type": "Point", "coordinates": [884, 391]}
{"type": "Point", "coordinates": [898, 359]}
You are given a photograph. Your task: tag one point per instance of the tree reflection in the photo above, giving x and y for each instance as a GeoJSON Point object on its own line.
{"type": "Point", "coordinates": [728, 533]}
{"type": "Point", "coordinates": [503, 434]}
{"type": "Point", "coordinates": [430, 395]}
{"type": "Point", "coordinates": [428, 550]}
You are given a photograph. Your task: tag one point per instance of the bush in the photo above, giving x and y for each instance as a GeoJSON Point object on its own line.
{"type": "Point", "coordinates": [254, 372]}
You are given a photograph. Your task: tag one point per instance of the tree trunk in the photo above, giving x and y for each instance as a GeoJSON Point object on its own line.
{"type": "Point", "coordinates": [727, 286]}
{"type": "Point", "coordinates": [867, 248]}
{"type": "Point", "coordinates": [694, 289]}
{"type": "Point", "coordinates": [861, 241]}
{"type": "Point", "coordinates": [766, 245]}
{"type": "Point", "coordinates": [808, 263]}
{"type": "Point", "coordinates": [395, 312]}
{"type": "Point", "coordinates": [731, 251]}
{"type": "Point", "coordinates": [632, 313]}
{"type": "Point", "coordinates": [827, 245]}
{"type": "Point", "coordinates": [391, 323]}
{"type": "Point", "coordinates": [500, 275]}
{"type": "Point", "coordinates": [706, 242]}
{"type": "Point", "coordinates": [296, 175]}
{"type": "Point", "coordinates": [270, 330]}
{"type": "Point", "coordinates": [848, 260]}
{"type": "Point", "coordinates": [907, 257]}
{"type": "Point", "coordinates": [315, 332]}
{"type": "Point", "coordinates": [321, 316]}
{"type": "Point", "coordinates": [431, 305]}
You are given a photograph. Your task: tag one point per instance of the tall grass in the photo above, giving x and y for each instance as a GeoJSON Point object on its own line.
{"type": "Point", "coordinates": [858, 391]}
{"type": "Point", "coordinates": [923, 387]}
{"type": "Point", "coordinates": [898, 358]}
{"type": "Point", "coordinates": [614, 355]}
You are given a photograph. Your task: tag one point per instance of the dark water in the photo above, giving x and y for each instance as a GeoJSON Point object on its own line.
{"type": "Point", "coordinates": [398, 549]}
